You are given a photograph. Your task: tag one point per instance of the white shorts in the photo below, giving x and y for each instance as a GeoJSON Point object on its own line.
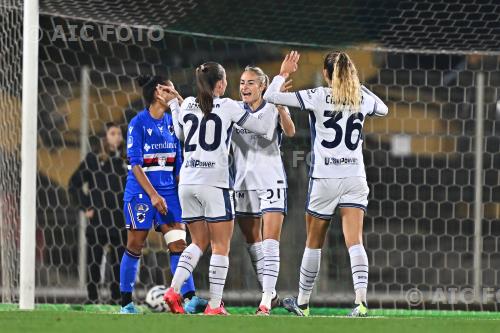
{"type": "Point", "coordinates": [205, 202]}
{"type": "Point", "coordinates": [254, 203]}
{"type": "Point", "coordinates": [326, 194]}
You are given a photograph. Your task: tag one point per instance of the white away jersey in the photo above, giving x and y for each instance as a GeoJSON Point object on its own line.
{"type": "Point", "coordinates": [207, 138]}
{"type": "Point", "coordinates": [336, 137]}
{"type": "Point", "coordinates": [257, 163]}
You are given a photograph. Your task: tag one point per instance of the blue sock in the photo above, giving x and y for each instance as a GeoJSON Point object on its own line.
{"type": "Point", "coordinates": [187, 289]}
{"type": "Point", "coordinates": [128, 271]}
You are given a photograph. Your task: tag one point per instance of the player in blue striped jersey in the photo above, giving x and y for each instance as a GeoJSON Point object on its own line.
{"type": "Point", "coordinates": [151, 194]}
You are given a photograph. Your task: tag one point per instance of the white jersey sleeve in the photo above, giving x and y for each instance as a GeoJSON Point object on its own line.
{"type": "Point", "coordinates": [304, 99]}
{"type": "Point", "coordinates": [175, 109]}
{"type": "Point", "coordinates": [262, 124]}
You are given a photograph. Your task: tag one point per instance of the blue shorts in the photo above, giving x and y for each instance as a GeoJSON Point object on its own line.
{"type": "Point", "coordinates": [141, 215]}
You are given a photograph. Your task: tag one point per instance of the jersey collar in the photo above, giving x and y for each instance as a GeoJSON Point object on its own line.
{"type": "Point", "coordinates": [247, 107]}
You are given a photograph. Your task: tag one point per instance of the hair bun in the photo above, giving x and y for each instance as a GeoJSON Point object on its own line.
{"type": "Point", "coordinates": [143, 80]}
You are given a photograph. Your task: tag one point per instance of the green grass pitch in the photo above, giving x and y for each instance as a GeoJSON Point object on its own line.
{"type": "Point", "coordinates": [93, 319]}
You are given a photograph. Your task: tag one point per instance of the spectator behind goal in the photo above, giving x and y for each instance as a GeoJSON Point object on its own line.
{"type": "Point", "coordinates": [103, 172]}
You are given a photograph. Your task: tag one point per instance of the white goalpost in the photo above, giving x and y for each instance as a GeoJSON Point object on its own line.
{"type": "Point", "coordinates": [29, 155]}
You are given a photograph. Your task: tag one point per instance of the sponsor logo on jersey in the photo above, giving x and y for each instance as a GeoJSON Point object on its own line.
{"type": "Point", "coordinates": [150, 131]}
{"type": "Point", "coordinates": [164, 145]}
{"type": "Point", "coordinates": [197, 106]}
{"type": "Point", "coordinates": [310, 92]}
{"type": "Point", "coordinates": [341, 161]}
{"type": "Point", "coordinates": [199, 164]}
{"type": "Point", "coordinates": [157, 146]}
{"type": "Point", "coordinates": [243, 131]}
{"type": "Point", "coordinates": [130, 129]}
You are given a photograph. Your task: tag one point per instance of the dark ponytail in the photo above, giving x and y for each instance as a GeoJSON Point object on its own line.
{"type": "Point", "coordinates": [207, 75]}
{"type": "Point", "coordinates": [149, 84]}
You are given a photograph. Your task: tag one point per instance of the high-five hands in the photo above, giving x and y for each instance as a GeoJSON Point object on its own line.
{"type": "Point", "coordinates": [290, 64]}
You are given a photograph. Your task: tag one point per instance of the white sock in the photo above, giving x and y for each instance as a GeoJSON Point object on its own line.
{"type": "Point", "coordinates": [187, 263]}
{"type": "Point", "coordinates": [359, 268]}
{"type": "Point", "coordinates": [217, 273]}
{"type": "Point", "coordinates": [271, 249]}
{"type": "Point", "coordinates": [309, 270]}
{"type": "Point", "coordinates": [257, 257]}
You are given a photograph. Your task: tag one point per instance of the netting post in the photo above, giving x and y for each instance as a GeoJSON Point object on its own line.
{"type": "Point", "coordinates": [478, 184]}
{"type": "Point", "coordinates": [84, 138]}
{"type": "Point", "coordinates": [29, 155]}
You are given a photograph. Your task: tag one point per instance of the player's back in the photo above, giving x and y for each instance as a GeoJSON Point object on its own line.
{"type": "Point", "coordinates": [207, 138]}
{"type": "Point", "coordinates": [337, 133]}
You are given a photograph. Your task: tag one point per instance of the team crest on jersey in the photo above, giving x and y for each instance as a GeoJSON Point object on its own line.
{"type": "Point", "coordinates": [141, 210]}
{"type": "Point", "coordinates": [147, 147]}
{"type": "Point", "coordinates": [310, 92]}
{"type": "Point", "coordinates": [130, 142]}
{"type": "Point", "coordinates": [150, 131]}
{"type": "Point", "coordinates": [171, 129]}
{"type": "Point", "coordinates": [162, 161]}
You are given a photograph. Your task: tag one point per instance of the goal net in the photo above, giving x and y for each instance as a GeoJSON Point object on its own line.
{"type": "Point", "coordinates": [422, 58]}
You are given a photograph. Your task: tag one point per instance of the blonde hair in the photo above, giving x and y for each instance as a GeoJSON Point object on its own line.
{"type": "Point", "coordinates": [346, 88]}
{"type": "Point", "coordinates": [263, 78]}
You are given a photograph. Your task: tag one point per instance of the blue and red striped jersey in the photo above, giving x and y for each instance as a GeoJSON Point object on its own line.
{"type": "Point", "coordinates": [152, 144]}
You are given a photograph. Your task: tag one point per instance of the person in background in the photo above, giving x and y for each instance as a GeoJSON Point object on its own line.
{"type": "Point", "coordinates": [103, 174]}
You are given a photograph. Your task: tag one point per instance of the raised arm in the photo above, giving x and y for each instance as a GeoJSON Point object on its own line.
{"type": "Point", "coordinates": [176, 110]}
{"type": "Point", "coordinates": [170, 96]}
{"type": "Point", "coordinates": [275, 96]}
{"type": "Point", "coordinates": [273, 93]}
{"type": "Point", "coordinates": [286, 121]}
